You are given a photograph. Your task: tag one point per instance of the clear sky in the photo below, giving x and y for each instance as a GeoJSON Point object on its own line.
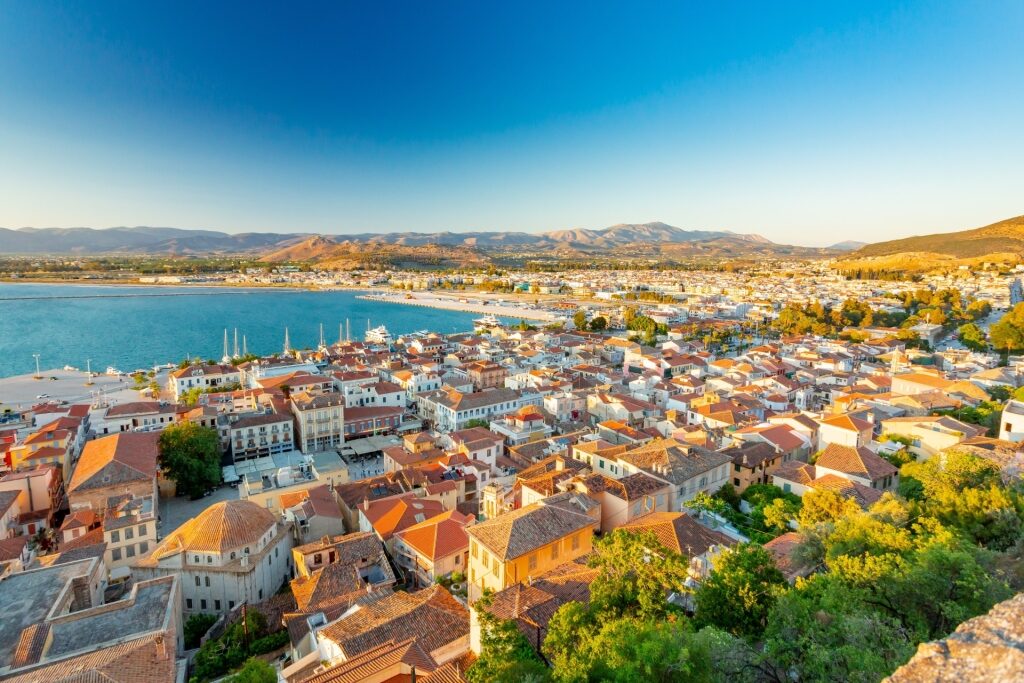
{"type": "Point", "coordinates": [808, 122]}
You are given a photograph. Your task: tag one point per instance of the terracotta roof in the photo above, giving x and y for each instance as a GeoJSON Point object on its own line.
{"type": "Point", "coordinates": [116, 459]}
{"type": "Point", "coordinates": [438, 536]}
{"type": "Point", "coordinates": [855, 461]}
{"type": "Point", "coordinates": [395, 514]}
{"type": "Point", "coordinates": [679, 532]}
{"type": "Point", "coordinates": [223, 526]}
{"type": "Point", "coordinates": [431, 616]}
{"type": "Point", "coordinates": [864, 495]}
{"type": "Point", "coordinates": [522, 531]}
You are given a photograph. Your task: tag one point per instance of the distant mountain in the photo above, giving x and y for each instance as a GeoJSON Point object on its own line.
{"type": "Point", "coordinates": [138, 240]}
{"type": "Point", "coordinates": [848, 245]}
{"type": "Point", "coordinates": [1002, 239]}
{"type": "Point", "coordinates": [628, 240]}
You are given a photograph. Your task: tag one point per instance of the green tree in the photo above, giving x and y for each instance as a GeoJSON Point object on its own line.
{"type": "Point", "coordinates": [255, 671]}
{"type": "Point", "coordinates": [825, 632]}
{"type": "Point", "coordinates": [636, 575]}
{"type": "Point", "coordinates": [191, 397]}
{"type": "Point", "coordinates": [979, 309]}
{"type": "Point", "coordinates": [599, 323]}
{"type": "Point", "coordinates": [1008, 334]}
{"type": "Point", "coordinates": [190, 456]}
{"type": "Point", "coordinates": [505, 653]}
{"type": "Point", "coordinates": [196, 627]}
{"type": "Point", "coordinates": [579, 319]}
{"type": "Point", "coordinates": [973, 337]}
{"type": "Point", "coordinates": [740, 591]}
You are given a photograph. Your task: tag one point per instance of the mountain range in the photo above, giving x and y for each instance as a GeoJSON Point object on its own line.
{"type": "Point", "coordinates": [138, 240]}
{"type": "Point", "coordinates": [624, 240]}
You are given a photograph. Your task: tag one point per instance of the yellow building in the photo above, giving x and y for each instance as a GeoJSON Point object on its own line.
{"type": "Point", "coordinates": [510, 548]}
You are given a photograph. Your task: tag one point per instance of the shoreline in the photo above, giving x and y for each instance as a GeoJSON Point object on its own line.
{"type": "Point", "coordinates": [453, 304]}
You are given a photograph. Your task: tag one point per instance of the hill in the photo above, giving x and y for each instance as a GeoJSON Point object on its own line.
{"type": "Point", "coordinates": [623, 241]}
{"type": "Point", "coordinates": [139, 241]}
{"type": "Point", "coordinates": [999, 238]}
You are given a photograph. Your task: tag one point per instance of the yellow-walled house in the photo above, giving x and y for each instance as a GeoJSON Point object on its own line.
{"type": "Point", "coordinates": [510, 548]}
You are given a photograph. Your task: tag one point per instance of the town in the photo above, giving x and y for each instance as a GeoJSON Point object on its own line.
{"type": "Point", "coordinates": [693, 460]}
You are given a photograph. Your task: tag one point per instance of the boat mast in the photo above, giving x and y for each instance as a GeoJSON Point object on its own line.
{"type": "Point", "coordinates": [236, 343]}
{"type": "Point", "coordinates": [287, 345]}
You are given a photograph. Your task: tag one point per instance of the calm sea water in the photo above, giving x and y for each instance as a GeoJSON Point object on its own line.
{"type": "Point", "coordinates": [129, 328]}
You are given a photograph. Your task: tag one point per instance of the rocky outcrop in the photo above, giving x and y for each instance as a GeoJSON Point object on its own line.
{"type": "Point", "coordinates": [988, 648]}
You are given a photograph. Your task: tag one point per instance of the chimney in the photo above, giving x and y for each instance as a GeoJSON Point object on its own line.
{"type": "Point", "coordinates": [161, 647]}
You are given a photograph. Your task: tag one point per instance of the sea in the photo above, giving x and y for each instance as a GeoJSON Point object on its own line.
{"type": "Point", "coordinates": [134, 327]}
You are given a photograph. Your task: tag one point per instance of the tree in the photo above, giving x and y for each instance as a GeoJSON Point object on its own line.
{"type": "Point", "coordinates": [973, 337]}
{"type": "Point", "coordinates": [477, 422]}
{"type": "Point", "coordinates": [824, 632]}
{"type": "Point", "coordinates": [579, 319]}
{"type": "Point", "coordinates": [191, 397]}
{"type": "Point", "coordinates": [190, 456]}
{"type": "Point", "coordinates": [1008, 334]}
{"type": "Point", "coordinates": [824, 506]}
{"type": "Point", "coordinates": [599, 324]}
{"type": "Point", "coordinates": [255, 671]}
{"type": "Point", "coordinates": [740, 591]}
{"type": "Point", "coordinates": [196, 627]}
{"type": "Point", "coordinates": [505, 653]}
{"type": "Point", "coordinates": [636, 575]}
{"type": "Point", "coordinates": [979, 309]}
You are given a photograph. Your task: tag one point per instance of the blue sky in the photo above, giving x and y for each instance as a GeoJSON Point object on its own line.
{"type": "Point", "coordinates": [808, 123]}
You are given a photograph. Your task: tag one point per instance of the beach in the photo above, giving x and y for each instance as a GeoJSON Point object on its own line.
{"type": "Point", "coordinates": [473, 303]}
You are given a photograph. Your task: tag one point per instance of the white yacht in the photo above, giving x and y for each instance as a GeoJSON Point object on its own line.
{"type": "Point", "coordinates": [378, 335]}
{"type": "Point", "coordinates": [487, 321]}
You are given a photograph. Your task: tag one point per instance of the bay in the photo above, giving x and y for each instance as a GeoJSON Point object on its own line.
{"type": "Point", "coordinates": [130, 327]}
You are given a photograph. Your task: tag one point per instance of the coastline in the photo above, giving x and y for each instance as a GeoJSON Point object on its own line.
{"type": "Point", "coordinates": [453, 304]}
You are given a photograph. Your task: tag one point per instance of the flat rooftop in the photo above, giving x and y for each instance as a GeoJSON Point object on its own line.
{"type": "Point", "coordinates": [27, 597]}
{"type": "Point", "coordinates": [143, 610]}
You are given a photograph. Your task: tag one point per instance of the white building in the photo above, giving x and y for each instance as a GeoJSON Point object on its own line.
{"type": "Point", "coordinates": [234, 552]}
{"type": "Point", "coordinates": [1011, 426]}
{"type": "Point", "coordinates": [204, 377]}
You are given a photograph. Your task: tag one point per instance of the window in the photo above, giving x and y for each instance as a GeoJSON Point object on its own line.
{"type": "Point", "coordinates": [188, 603]}
{"type": "Point", "coordinates": [202, 604]}
{"type": "Point", "coordinates": [531, 562]}
{"type": "Point", "coordinates": [115, 536]}
{"type": "Point", "coordinates": [115, 554]}
{"type": "Point", "coordinates": [261, 594]}
{"type": "Point", "coordinates": [554, 551]}
{"type": "Point", "coordinates": [129, 534]}
{"type": "Point", "coordinates": [206, 580]}
{"type": "Point", "coordinates": [209, 559]}
{"type": "Point", "coordinates": [576, 542]}
{"type": "Point", "coordinates": [216, 605]}
{"type": "Point", "coordinates": [231, 604]}
{"type": "Point", "coordinates": [143, 530]}
{"type": "Point", "coordinates": [198, 581]}
{"type": "Point", "coordinates": [144, 547]}
{"type": "Point", "coordinates": [129, 551]}
{"type": "Point", "coordinates": [735, 482]}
